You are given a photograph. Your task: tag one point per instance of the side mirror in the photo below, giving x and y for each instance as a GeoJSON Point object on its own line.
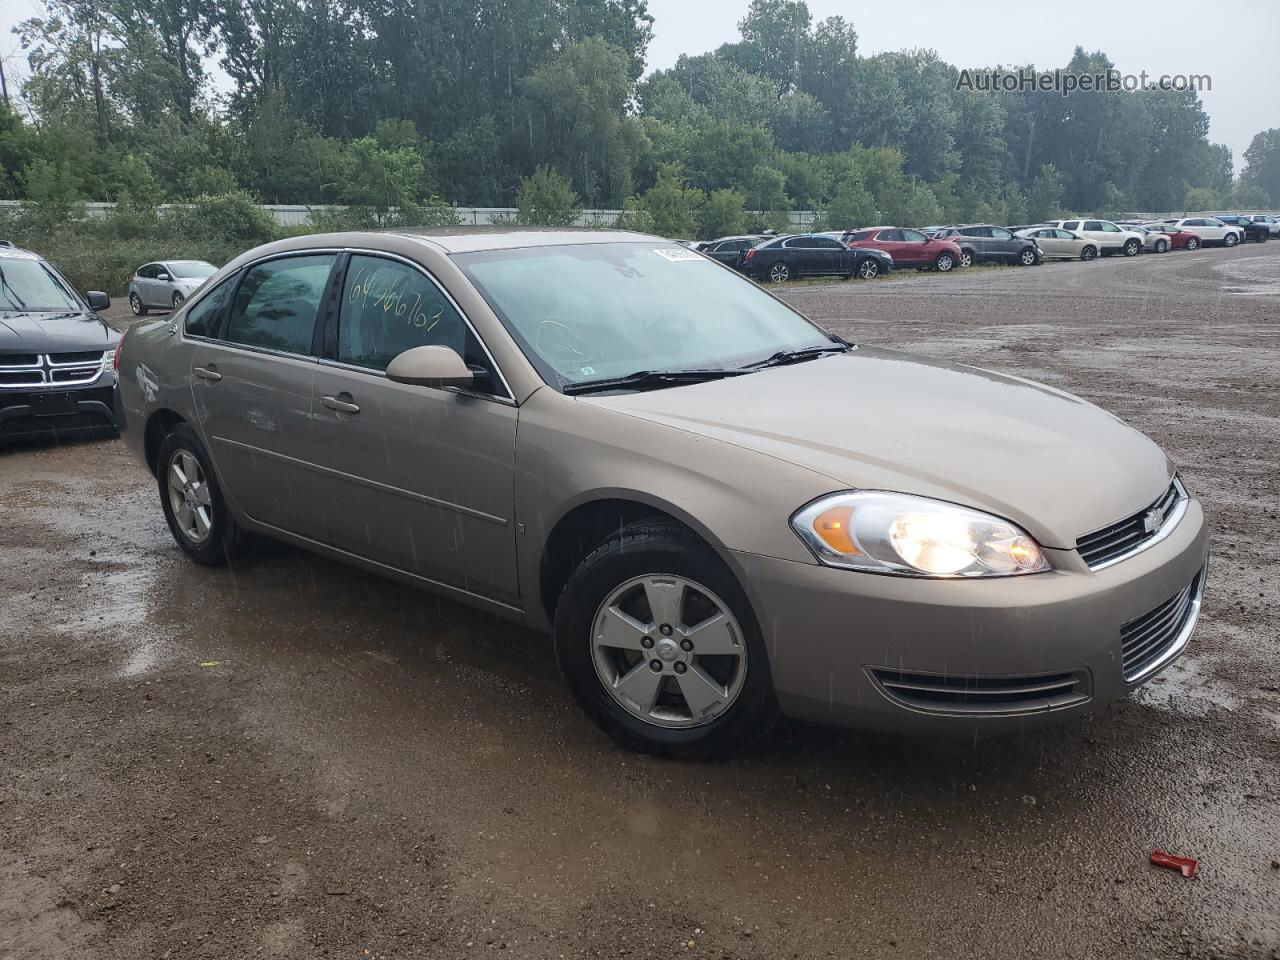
{"type": "Point", "coordinates": [163, 276]}
{"type": "Point", "coordinates": [430, 367]}
{"type": "Point", "coordinates": [98, 301]}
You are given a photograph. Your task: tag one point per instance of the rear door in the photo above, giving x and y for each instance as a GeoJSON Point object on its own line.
{"type": "Point", "coordinates": [1004, 243]}
{"type": "Point", "coordinates": [252, 384]}
{"type": "Point", "coordinates": [145, 280]}
{"type": "Point", "coordinates": [831, 256]}
{"type": "Point", "coordinates": [417, 478]}
{"type": "Point", "coordinates": [800, 256]}
{"type": "Point", "coordinates": [980, 239]}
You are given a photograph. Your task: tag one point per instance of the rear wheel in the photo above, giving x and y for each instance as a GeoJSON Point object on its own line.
{"type": "Point", "coordinates": [944, 263]}
{"type": "Point", "coordinates": [1193, 243]}
{"type": "Point", "coordinates": [966, 258]}
{"type": "Point", "coordinates": [660, 647]}
{"type": "Point", "coordinates": [136, 305]}
{"type": "Point", "coordinates": [192, 501]}
{"type": "Point", "coordinates": [869, 269]}
{"type": "Point", "coordinates": [779, 273]}
{"type": "Point", "coordinates": [1088, 253]}
{"type": "Point", "coordinates": [1132, 247]}
{"type": "Point", "coordinates": [177, 300]}
{"type": "Point", "coordinates": [1263, 236]}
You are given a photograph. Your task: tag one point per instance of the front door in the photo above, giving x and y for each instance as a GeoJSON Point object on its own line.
{"type": "Point", "coordinates": [420, 479]}
{"type": "Point", "coordinates": [252, 383]}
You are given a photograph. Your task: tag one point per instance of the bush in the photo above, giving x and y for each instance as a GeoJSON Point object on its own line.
{"type": "Point", "coordinates": [722, 215]}
{"type": "Point", "coordinates": [546, 199]}
{"type": "Point", "coordinates": [229, 217]}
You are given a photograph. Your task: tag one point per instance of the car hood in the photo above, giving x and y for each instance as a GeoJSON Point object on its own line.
{"type": "Point", "coordinates": [877, 419]}
{"type": "Point", "coordinates": [48, 331]}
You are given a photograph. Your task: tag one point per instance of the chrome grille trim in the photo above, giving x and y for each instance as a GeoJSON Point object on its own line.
{"type": "Point", "coordinates": [52, 369]}
{"type": "Point", "coordinates": [1150, 641]}
{"type": "Point", "coordinates": [970, 695]}
{"type": "Point", "coordinates": [1125, 538]}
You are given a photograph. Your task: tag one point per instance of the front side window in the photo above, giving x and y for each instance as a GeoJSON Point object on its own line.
{"type": "Point", "coordinates": [389, 307]}
{"type": "Point", "coordinates": [585, 312]}
{"type": "Point", "coordinates": [1001, 234]}
{"type": "Point", "coordinates": [276, 303]}
{"type": "Point", "coordinates": [32, 285]}
{"type": "Point", "coordinates": [891, 236]}
{"type": "Point", "coordinates": [914, 236]}
{"type": "Point", "coordinates": [202, 319]}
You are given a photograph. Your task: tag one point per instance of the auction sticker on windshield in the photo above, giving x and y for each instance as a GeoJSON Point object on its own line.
{"type": "Point", "coordinates": [678, 253]}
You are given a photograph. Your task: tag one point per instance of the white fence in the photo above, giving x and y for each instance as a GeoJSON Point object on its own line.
{"type": "Point", "coordinates": [298, 214]}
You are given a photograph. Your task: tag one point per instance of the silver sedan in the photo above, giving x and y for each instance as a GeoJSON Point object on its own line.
{"type": "Point", "coordinates": [1056, 243]}
{"type": "Point", "coordinates": [165, 284]}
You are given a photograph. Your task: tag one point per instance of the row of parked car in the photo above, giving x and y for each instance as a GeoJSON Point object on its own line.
{"type": "Point", "coordinates": [872, 251]}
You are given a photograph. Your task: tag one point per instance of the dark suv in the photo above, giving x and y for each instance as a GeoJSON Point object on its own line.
{"type": "Point", "coordinates": [728, 250]}
{"type": "Point", "coordinates": [987, 243]}
{"type": "Point", "coordinates": [57, 373]}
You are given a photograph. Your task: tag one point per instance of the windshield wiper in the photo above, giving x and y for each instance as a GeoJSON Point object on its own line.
{"type": "Point", "coordinates": [12, 294]}
{"type": "Point", "coordinates": [783, 357]}
{"type": "Point", "coordinates": [648, 379]}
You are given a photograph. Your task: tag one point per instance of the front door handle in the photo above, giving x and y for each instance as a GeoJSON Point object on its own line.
{"type": "Point", "coordinates": [209, 373]}
{"type": "Point", "coordinates": [341, 403]}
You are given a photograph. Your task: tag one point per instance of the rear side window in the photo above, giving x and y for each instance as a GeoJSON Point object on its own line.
{"type": "Point", "coordinates": [862, 235]}
{"type": "Point", "coordinates": [389, 307]}
{"type": "Point", "coordinates": [202, 319]}
{"type": "Point", "coordinates": [276, 303]}
{"type": "Point", "coordinates": [1071, 225]}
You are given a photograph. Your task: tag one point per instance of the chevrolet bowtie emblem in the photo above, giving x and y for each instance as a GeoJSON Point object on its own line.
{"type": "Point", "coordinates": [1153, 520]}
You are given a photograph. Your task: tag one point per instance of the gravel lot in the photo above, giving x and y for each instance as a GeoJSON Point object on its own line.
{"type": "Point", "coordinates": [293, 759]}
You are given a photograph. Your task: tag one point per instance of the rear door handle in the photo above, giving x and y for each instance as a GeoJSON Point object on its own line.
{"type": "Point", "coordinates": [209, 373]}
{"type": "Point", "coordinates": [341, 405]}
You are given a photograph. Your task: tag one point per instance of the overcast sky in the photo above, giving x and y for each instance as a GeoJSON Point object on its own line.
{"type": "Point", "coordinates": [1238, 45]}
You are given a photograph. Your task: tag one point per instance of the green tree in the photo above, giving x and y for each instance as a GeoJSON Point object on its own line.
{"type": "Point", "coordinates": [547, 199]}
{"type": "Point", "coordinates": [724, 214]}
{"type": "Point", "coordinates": [1044, 196]}
{"type": "Point", "coordinates": [1262, 163]}
{"type": "Point", "coordinates": [670, 206]}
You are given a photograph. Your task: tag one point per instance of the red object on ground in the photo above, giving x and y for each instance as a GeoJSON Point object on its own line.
{"type": "Point", "coordinates": [1185, 865]}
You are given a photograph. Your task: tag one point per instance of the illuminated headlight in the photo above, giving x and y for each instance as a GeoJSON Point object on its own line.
{"type": "Point", "coordinates": [914, 536]}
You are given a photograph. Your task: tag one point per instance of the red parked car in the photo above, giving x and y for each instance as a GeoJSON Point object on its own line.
{"type": "Point", "coordinates": [909, 248]}
{"type": "Point", "coordinates": [1179, 239]}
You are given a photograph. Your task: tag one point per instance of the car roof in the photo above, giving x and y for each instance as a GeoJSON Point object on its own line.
{"type": "Point", "coordinates": [474, 239]}
{"type": "Point", "coordinates": [11, 252]}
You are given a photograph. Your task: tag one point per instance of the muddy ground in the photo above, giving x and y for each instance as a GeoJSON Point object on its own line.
{"type": "Point", "coordinates": [294, 759]}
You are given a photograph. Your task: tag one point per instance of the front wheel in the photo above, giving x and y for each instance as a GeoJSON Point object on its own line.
{"type": "Point", "coordinates": [1027, 258]}
{"type": "Point", "coordinates": [136, 306]}
{"type": "Point", "coordinates": [869, 269]}
{"type": "Point", "coordinates": [192, 501]}
{"type": "Point", "coordinates": [1088, 253]}
{"type": "Point", "coordinates": [1230, 240]}
{"type": "Point", "coordinates": [1162, 246]}
{"type": "Point", "coordinates": [779, 273]}
{"type": "Point", "coordinates": [658, 643]}
{"type": "Point", "coordinates": [944, 263]}
{"type": "Point", "coordinates": [177, 300]}
{"type": "Point", "coordinates": [1193, 243]}
{"type": "Point", "coordinates": [1132, 248]}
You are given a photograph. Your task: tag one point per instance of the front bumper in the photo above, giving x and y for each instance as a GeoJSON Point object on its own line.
{"type": "Point", "coordinates": [54, 411]}
{"type": "Point", "coordinates": [848, 648]}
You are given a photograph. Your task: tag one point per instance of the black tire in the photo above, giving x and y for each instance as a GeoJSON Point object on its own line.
{"type": "Point", "coordinates": [945, 263]}
{"type": "Point", "coordinates": [1193, 243]}
{"type": "Point", "coordinates": [1088, 253]}
{"type": "Point", "coordinates": [1230, 240]}
{"type": "Point", "coordinates": [1162, 246]}
{"type": "Point", "coordinates": [778, 273]}
{"type": "Point", "coordinates": [1132, 247]}
{"type": "Point", "coordinates": [177, 300]}
{"type": "Point", "coordinates": [225, 538]}
{"type": "Point", "coordinates": [1028, 257]}
{"type": "Point", "coordinates": [136, 305]}
{"type": "Point", "coordinates": [966, 258]}
{"type": "Point", "coordinates": [637, 550]}
{"type": "Point", "coordinates": [869, 269]}
{"type": "Point", "coordinates": [1263, 237]}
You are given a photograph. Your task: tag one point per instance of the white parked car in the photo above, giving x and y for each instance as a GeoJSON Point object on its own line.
{"type": "Point", "coordinates": [1059, 244]}
{"type": "Point", "coordinates": [1209, 230]}
{"type": "Point", "coordinates": [1109, 237]}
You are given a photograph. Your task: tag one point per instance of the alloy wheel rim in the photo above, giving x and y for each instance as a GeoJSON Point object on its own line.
{"type": "Point", "coordinates": [868, 269]}
{"type": "Point", "coordinates": [966, 259]}
{"type": "Point", "coordinates": [1028, 257]}
{"type": "Point", "coordinates": [668, 651]}
{"type": "Point", "coordinates": [134, 303]}
{"type": "Point", "coordinates": [189, 496]}
{"type": "Point", "coordinates": [945, 263]}
{"type": "Point", "coordinates": [778, 273]}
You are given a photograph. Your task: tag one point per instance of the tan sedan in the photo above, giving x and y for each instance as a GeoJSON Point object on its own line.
{"type": "Point", "coordinates": [1058, 244]}
{"type": "Point", "coordinates": [721, 511]}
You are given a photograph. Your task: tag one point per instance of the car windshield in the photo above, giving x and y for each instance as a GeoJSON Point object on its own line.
{"type": "Point", "coordinates": [587, 312]}
{"type": "Point", "coordinates": [31, 285]}
{"type": "Point", "coordinates": [192, 269]}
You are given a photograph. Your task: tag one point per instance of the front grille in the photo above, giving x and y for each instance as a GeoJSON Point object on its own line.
{"type": "Point", "coordinates": [997, 696]}
{"type": "Point", "coordinates": [1156, 637]}
{"type": "Point", "coordinates": [1112, 544]}
{"type": "Point", "coordinates": [51, 369]}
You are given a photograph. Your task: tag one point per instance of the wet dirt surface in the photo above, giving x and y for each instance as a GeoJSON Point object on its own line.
{"type": "Point", "coordinates": [294, 759]}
